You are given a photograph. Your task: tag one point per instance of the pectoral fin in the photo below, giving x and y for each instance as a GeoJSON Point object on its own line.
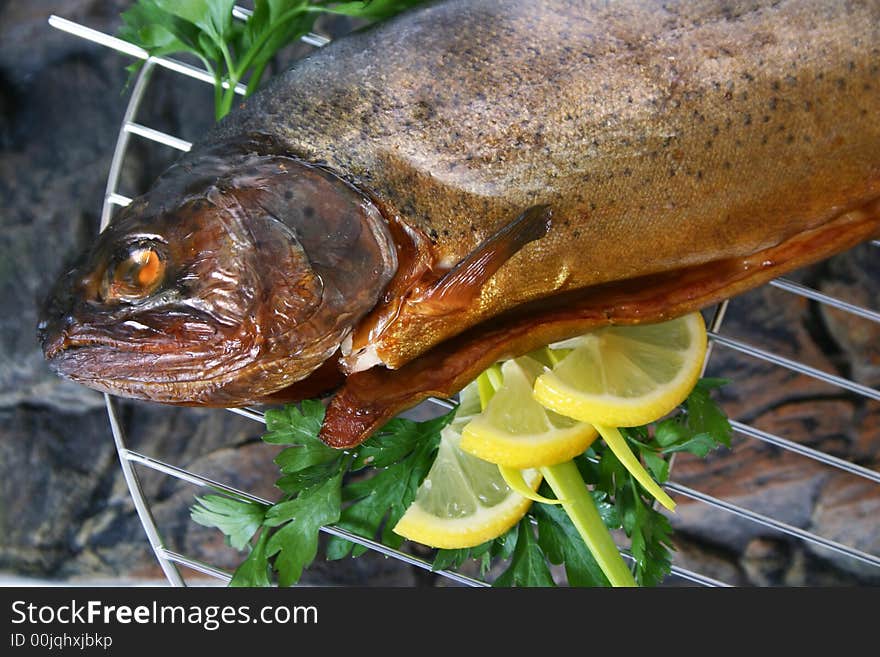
{"type": "Point", "coordinates": [461, 285]}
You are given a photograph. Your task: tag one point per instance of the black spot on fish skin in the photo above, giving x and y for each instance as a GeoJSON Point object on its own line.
{"type": "Point", "coordinates": [309, 212]}
{"type": "Point", "coordinates": [288, 195]}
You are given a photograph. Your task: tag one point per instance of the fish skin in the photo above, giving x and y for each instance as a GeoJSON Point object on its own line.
{"type": "Point", "coordinates": [740, 124]}
{"type": "Point", "coordinates": [367, 399]}
{"type": "Point", "coordinates": [699, 143]}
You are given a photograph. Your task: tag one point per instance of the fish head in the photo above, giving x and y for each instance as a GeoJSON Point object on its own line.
{"type": "Point", "coordinates": [235, 276]}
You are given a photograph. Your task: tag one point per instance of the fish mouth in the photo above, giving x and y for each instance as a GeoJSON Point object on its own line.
{"type": "Point", "coordinates": [133, 373]}
{"type": "Point", "coordinates": [183, 373]}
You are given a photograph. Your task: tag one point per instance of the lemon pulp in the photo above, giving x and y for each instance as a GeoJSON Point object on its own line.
{"type": "Point", "coordinates": [463, 501]}
{"type": "Point", "coordinates": [518, 432]}
{"type": "Point", "coordinates": [626, 376]}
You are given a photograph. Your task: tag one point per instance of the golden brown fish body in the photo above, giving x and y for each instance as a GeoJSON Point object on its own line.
{"type": "Point", "coordinates": [546, 167]}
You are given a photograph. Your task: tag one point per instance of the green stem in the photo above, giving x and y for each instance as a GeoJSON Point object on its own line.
{"type": "Point", "coordinates": [254, 51]}
{"type": "Point", "coordinates": [617, 443]}
{"type": "Point", "coordinates": [256, 76]}
{"type": "Point", "coordinates": [495, 376]}
{"type": "Point", "coordinates": [554, 361]}
{"type": "Point", "coordinates": [487, 383]}
{"type": "Point", "coordinates": [569, 487]}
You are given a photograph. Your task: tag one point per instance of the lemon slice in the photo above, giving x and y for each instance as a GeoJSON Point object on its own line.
{"type": "Point", "coordinates": [515, 431]}
{"type": "Point", "coordinates": [626, 376]}
{"type": "Point", "coordinates": [463, 501]}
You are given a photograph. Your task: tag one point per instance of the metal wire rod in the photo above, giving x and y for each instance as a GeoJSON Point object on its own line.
{"type": "Point", "coordinates": [158, 136]}
{"type": "Point", "coordinates": [117, 199]}
{"type": "Point", "coordinates": [683, 573]}
{"type": "Point", "coordinates": [766, 521]}
{"type": "Point", "coordinates": [134, 102]}
{"type": "Point", "coordinates": [697, 578]}
{"type": "Point", "coordinates": [198, 566]}
{"type": "Point", "coordinates": [815, 295]}
{"type": "Point", "coordinates": [795, 366]}
{"type": "Point", "coordinates": [713, 327]}
{"type": "Point", "coordinates": [251, 414]}
{"type": "Point", "coordinates": [803, 450]}
{"type": "Point", "coordinates": [199, 480]}
{"type": "Point", "coordinates": [140, 505]}
{"type": "Point", "coordinates": [136, 51]}
{"type": "Point", "coordinates": [186, 475]}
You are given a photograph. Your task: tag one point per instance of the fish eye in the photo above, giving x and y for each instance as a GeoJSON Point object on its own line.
{"type": "Point", "coordinates": [134, 274]}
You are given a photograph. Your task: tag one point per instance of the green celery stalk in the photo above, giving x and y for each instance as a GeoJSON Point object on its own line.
{"type": "Point", "coordinates": [568, 485]}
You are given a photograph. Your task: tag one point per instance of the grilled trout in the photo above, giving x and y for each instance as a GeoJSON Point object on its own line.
{"type": "Point", "coordinates": [472, 180]}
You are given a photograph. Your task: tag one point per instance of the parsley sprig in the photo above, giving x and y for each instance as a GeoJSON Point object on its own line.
{"type": "Point", "coordinates": [366, 491]}
{"type": "Point", "coordinates": [235, 51]}
{"type": "Point", "coordinates": [323, 486]}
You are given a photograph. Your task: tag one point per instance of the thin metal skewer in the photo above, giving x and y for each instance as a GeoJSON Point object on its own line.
{"type": "Point", "coordinates": [766, 521]}
{"type": "Point", "coordinates": [815, 295]}
{"type": "Point", "coordinates": [137, 496]}
{"type": "Point", "coordinates": [795, 366]}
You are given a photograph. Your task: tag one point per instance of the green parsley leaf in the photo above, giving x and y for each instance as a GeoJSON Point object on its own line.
{"type": "Point", "coordinates": [254, 571]}
{"type": "Point", "coordinates": [230, 50]}
{"type": "Point", "coordinates": [670, 431]}
{"type": "Point", "coordinates": [704, 415]}
{"type": "Point", "coordinates": [294, 425]}
{"type": "Point", "coordinates": [563, 545]}
{"type": "Point", "coordinates": [293, 482]}
{"type": "Point", "coordinates": [700, 445]}
{"type": "Point", "coordinates": [446, 559]}
{"type": "Point", "coordinates": [377, 502]}
{"type": "Point", "coordinates": [214, 18]}
{"type": "Point", "coordinates": [656, 464]}
{"type": "Point", "coordinates": [308, 461]}
{"type": "Point", "coordinates": [238, 519]}
{"type": "Point", "coordinates": [528, 565]}
{"type": "Point", "coordinates": [504, 546]}
{"type": "Point", "coordinates": [650, 534]}
{"type": "Point", "coordinates": [295, 544]}
{"type": "Point", "coordinates": [159, 32]}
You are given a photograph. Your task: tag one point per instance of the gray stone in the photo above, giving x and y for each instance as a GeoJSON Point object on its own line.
{"type": "Point", "coordinates": [847, 512]}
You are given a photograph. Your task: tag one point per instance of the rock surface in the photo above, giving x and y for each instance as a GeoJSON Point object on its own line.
{"type": "Point", "coordinates": [65, 512]}
{"type": "Point", "coordinates": [766, 478]}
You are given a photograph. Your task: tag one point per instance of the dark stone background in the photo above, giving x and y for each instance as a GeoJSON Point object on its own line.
{"type": "Point", "coordinates": [65, 513]}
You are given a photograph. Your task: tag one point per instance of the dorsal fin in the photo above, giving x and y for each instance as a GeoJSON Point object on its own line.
{"type": "Point", "coordinates": [458, 288]}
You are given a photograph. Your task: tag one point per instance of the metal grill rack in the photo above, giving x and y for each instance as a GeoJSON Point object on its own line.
{"type": "Point", "coordinates": [170, 561]}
